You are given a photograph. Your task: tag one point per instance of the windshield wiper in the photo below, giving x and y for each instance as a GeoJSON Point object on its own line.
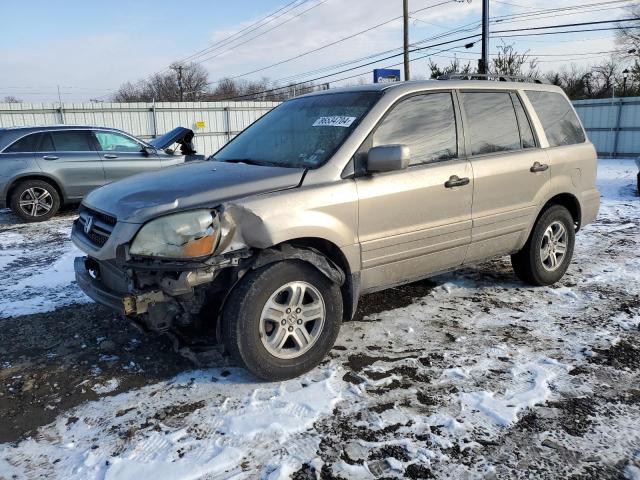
{"type": "Point", "coordinates": [248, 161]}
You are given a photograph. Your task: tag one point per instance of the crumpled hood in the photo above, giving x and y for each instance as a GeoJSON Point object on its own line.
{"type": "Point", "coordinates": [141, 197]}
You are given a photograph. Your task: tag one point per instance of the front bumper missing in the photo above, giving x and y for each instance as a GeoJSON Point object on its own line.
{"type": "Point", "coordinates": [95, 289]}
{"type": "Point", "coordinates": [139, 304]}
{"type": "Point", "coordinates": [122, 302]}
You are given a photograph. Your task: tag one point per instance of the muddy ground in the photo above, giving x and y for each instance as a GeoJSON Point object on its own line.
{"type": "Point", "coordinates": [467, 375]}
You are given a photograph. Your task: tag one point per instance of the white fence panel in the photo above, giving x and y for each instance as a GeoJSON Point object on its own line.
{"type": "Point", "coordinates": [613, 125]}
{"type": "Point", "coordinates": [214, 123]}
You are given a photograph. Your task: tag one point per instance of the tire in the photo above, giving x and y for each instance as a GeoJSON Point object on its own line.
{"type": "Point", "coordinates": [245, 332]}
{"type": "Point", "coordinates": [638, 185]}
{"type": "Point", "coordinates": [45, 195]}
{"type": "Point", "coordinates": [530, 264]}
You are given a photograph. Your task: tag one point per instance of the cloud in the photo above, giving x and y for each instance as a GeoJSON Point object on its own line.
{"type": "Point", "coordinates": [98, 63]}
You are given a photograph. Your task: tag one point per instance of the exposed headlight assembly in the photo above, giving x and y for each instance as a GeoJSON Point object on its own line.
{"type": "Point", "coordinates": [181, 235]}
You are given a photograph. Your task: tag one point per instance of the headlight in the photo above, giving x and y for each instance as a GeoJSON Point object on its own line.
{"type": "Point", "coordinates": [182, 235]}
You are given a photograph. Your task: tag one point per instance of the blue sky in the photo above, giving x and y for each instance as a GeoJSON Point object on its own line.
{"type": "Point", "coordinates": [89, 48]}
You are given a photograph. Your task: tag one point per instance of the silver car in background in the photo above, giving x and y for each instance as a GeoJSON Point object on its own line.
{"type": "Point", "coordinates": [42, 168]}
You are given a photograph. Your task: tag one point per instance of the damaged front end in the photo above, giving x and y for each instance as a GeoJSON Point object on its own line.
{"type": "Point", "coordinates": [173, 268]}
{"type": "Point", "coordinates": [179, 268]}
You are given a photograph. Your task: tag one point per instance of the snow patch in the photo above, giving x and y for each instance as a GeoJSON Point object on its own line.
{"type": "Point", "coordinates": [531, 387]}
{"type": "Point", "coordinates": [200, 423]}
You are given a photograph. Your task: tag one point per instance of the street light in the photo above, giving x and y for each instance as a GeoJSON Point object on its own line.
{"type": "Point", "coordinates": [625, 75]}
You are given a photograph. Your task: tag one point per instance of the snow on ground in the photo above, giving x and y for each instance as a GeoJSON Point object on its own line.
{"type": "Point", "coordinates": [470, 375]}
{"type": "Point", "coordinates": [36, 265]}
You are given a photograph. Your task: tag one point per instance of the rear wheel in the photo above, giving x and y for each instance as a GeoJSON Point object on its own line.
{"type": "Point", "coordinates": [548, 251]}
{"type": "Point", "coordinates": [34, 200]}
{"type": "Point", "coordinates": [282, 319]}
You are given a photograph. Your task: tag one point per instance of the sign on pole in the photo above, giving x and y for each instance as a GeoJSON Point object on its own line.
{"type": "Point", "coordinates": [386, 75]}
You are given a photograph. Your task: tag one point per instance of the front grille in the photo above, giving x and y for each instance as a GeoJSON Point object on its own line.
{"type": "Point", "coordinates": [101, 226]}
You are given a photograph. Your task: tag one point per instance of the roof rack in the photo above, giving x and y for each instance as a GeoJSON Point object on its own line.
{"type": "Point", "coordinates": [491, 76]}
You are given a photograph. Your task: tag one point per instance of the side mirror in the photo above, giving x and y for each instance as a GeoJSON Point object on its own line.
{"type": "Point", "coordinates": [148, 151]}
{"type": "Point", "coordinates": [387, 158]}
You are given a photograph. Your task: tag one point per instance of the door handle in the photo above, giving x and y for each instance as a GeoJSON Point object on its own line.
{"type": "Point", "coordinates": [110, 155]}
{"type": "Point", "coordinates": [50, 157]}
{"type": "Point", "coordinates": [539, 167]}
{"type": "Point", "coordinates": [455, 181]}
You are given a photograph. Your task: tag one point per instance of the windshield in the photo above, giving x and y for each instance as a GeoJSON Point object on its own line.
{"type": "Point", "coordinates": [303, 132]}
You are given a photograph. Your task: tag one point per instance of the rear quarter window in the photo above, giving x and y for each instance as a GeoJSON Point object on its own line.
{"type": "Point", "coordinates": [26, 144]}
{"type": "Point", "coordinates": [559, 121]}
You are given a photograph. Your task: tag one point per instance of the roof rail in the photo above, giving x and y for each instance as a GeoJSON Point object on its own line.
{"type": "Point", "coordinates": [491, 76]}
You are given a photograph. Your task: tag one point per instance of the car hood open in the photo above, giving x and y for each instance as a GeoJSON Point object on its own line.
{"type": "Point", "coordinates": [174, 136]}
{"type": "Point", "coordinates": [142, 197]}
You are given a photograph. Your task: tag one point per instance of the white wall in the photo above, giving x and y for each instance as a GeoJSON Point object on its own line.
{"type": "Point", "coordinates": [222, 120]}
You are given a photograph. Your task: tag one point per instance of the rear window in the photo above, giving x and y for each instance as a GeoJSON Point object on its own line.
{"type": "Point", "coordinates": [559, 121]}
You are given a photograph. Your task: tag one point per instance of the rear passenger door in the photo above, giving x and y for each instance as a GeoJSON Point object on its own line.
{"type": "Point", "coordinates": [510, 171]}
{"type": "Point", "coordinates": [70, 156]}
{"type": "Point", "coordinates": [123, 156]}
{"type": "Point", "coordinates": [416, 221]}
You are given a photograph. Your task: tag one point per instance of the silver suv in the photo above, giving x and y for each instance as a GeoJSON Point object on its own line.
{"type": "Point", "coordinates": [43, 167]}
{"type": "Point", "coordinates": [336, 194]}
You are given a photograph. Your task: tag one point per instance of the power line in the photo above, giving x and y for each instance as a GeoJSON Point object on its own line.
{"type": "Point", "coordinates": [495, 32]}
{"type": "Point", "coordinates": [263, 33]}
{"type": "Point", "coordinates": [567, 31]}
{"type": "Point", "coordinates": [271, 17]}
{"type": "Point", "coordinates": [459, 29]}
{"type": "Point", "coordinates": [348, 69]}
{"type": "Point", "coordinates": [562, 9]}
{"type": "Point", "coordinates": [343, 39]}
{"type": "Point", "coordinates": [229, 39]}
{"type": "Point", "coordinates": [579, 24]}
{"type": "Point", "coordinates": [435, 45]}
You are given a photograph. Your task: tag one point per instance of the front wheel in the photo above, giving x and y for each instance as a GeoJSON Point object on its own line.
{"type": "Point", "coordinates": [282, 319]}
{"type": "Point", "coordinates": [547, 254]}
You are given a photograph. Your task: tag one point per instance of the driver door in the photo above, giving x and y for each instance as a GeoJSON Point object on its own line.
{"type": "Point", "coordinates": [416, 222]}
{"type": "Point", "coordinates": [123, 156]}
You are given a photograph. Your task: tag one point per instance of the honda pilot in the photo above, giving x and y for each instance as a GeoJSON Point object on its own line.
{"type": "Point", "coordinates": [336, 194]}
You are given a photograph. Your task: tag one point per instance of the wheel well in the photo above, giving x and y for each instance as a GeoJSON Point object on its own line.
{"type": "Point", "coordinates": [49, 180]}
{"type": "Point", "coordinates": [570, 202]}
{"type": "Point", "coordinates": [333, 252]}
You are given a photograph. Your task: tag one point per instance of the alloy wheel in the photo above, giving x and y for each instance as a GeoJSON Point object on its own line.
{"type": "Point", "coordinates": [554, 246]}
{"type": "Point", "coordinates": [292, 320]}
{"type": "Point", "coordinates": [36, 201]}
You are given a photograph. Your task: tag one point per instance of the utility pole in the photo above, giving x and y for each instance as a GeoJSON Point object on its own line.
{"type": "Point", "coordinates": [179, 69]}
{"type": "Point", "coordinates": [483, 64]}
{"type": "Point", "coordinates": [405, 12]}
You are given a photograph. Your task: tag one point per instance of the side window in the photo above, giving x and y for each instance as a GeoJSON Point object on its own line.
{"type": "Point", "coordinates": [559, 121]}
{"type": "Point", "coordinates": [25, 144]}
{"type": "Point", "coordinates": [526, 132]}
{"type": "Point", "coordinates": [426, 124]}
{"type": "Point", "coordinates": [114, 142]}
{"type": "Point", "coordinates": [491, 122]}
{"type": "Point", "coordinates": [46, 144]}
{"type": "Point", "coordinates": [72, 140]}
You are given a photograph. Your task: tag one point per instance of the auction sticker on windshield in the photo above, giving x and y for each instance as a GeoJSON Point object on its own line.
{"type": "Point", "coordinates": [335, 121]}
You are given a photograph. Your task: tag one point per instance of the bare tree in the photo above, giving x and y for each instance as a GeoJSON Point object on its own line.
{"type": "Point", "coordinates": [11, 99]}
{"type": "Point", "coordinates": [164, 87]}
{"type": "Point", "coordinates": [455, 66]}
{"type": "Point", "coordinates": [606, 75]}
{"type": "Point", "coordinates": [628, 37]}
{"type": "Point", "coordinates": [510, 62]}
